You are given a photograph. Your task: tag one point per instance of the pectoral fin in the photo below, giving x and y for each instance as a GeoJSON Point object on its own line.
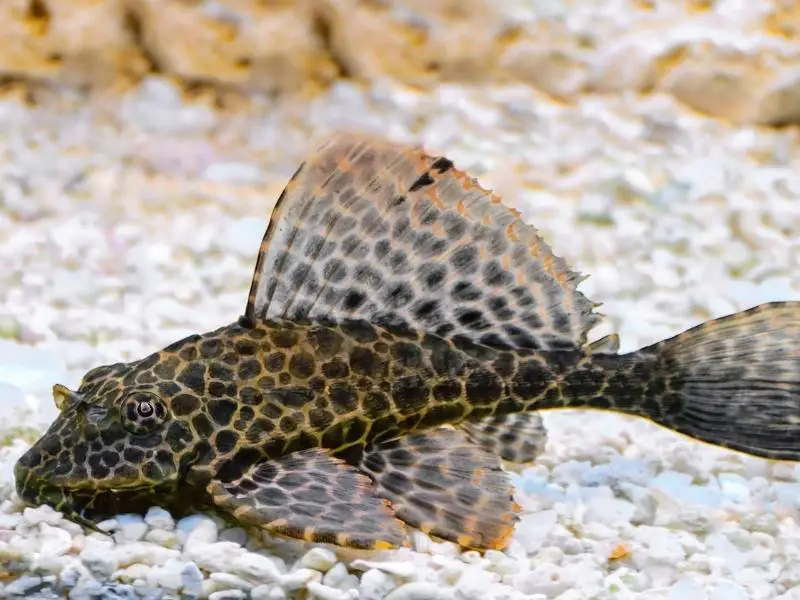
{"type": "Point", "coordinates": [517, 438]}
{"type": "Point", "coordinates": [444, 484]}
{"type": "Point", "coordinates": [312, 496]}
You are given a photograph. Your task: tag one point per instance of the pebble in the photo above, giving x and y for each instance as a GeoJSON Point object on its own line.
{"type": "Point", "coordinates": [226, 580]}
{"type": "Point", "coordinates": [23, 586]}
{"type": "Point", "coordinates": [609, 511]}
{"type": "Point", "coordinates": [144, 552]}
{"type": "Point", "coordinates": [228, 595]}
{"type": "Point", "coordinates": [320, 559]}
{"type": "Point", "coordinates": [168, 576]}
{"type": "Point", "coordinates": [162, 537]}
{"type": "Point", "coordinates": [339, 577]}
{"type": "Point", "coordinates": [158, 518]}
{"type": "Point", "coordinates": [686, 590]}
{"type": "Point", "coordinates": [42, 514]}
{"type": "Point", "coordinates": [501, 563]}
{"type": "Point", "coordinates": [375, 585]}
{"type": "Point", "coordinates": [257, 567]}
{"type": "Point", "coordinates": [198, 531]}
{"type": "Point", "coordinates": [236, 535]}
{"type": "Point", "coordinates": [474, 584]}
{"type": "Point", "coordinates": [419, 590]}
{"type": "Point", "coordinates": [299, 579]}
{"type": "Point", "coordinates": [532, 529]}
{"type": "Point", "coordinates": [545, 578]}
{"type": "Point", "coordinates": [131, 531]}
{"type": "Point", "coordinates": [267, 592]}
{"type": "Point", "coordinates": [219, 556]}
{"type": "Point", "coordinates": [324, 592]}
{"type": "Point", "coordinates": [191, 579]}
{"type": "Point", "coordinates": [56, 540]}
{"type": "Point", "coordinates": [728, 590]}
{"type": "Point", "coordinates": [73, 572]}
{"type": "Point", "coordinates": [662, 545]}
{"type": "Point", "coordinates": [99, 559]}
{"type": "Point", "coordinates": [400, 569]}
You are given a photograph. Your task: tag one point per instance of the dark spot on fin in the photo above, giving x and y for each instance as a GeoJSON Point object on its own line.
{"type": "Point", "coordinates": [517, 438]}
{"type": "Point", "coordinates": [442, 164]}
{"type": "Point", "coordinates": [424, 180]}
{"type": "Point", "coordinates": [444, 484]}
{"type": "Point", "coordinates": [310, 495]}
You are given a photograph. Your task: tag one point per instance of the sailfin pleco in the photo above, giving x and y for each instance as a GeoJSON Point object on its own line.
{"type": "Point", "coordinates": [402, 332]}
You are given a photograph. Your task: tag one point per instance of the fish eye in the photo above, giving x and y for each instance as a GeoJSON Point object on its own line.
{"type": "Point", "coordinates": [142, 412]}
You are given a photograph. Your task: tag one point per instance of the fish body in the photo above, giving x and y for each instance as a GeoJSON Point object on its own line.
{"type": "Point", "coordinates": [402, 331]}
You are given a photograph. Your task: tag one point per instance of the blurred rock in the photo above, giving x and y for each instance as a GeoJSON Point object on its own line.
{"type": "Point", "coordinates": [732, 61]}
{"type": "Point", "coordinates": [70, 41]}
{"type": "Point", "coordinates": [723, 83]}
{"type": "Point", "coordinates": [264, 46]}
{"type": "Point", "coordinates": [419, 41]}
{"type": "Point", "coordinates": [559, 70]}
{"type": "Point", "coordinates": [780, 103]}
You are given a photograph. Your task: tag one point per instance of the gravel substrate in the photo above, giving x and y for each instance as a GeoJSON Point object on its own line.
{"type": "Point", "coordinates": [126, 225]}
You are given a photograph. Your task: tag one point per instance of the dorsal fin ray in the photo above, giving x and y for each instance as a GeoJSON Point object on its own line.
{"type": "Point", "coordinates": [608, 344]}
{"type": "Point", "coordinates": [374, 230]}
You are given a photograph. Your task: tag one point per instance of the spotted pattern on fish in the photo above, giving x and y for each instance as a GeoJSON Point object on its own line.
{"type": "Point", "coordinates": [403, 330]}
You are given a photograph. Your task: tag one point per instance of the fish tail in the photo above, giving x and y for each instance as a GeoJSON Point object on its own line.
{"type": "Point", "coordinates": [732, 382]}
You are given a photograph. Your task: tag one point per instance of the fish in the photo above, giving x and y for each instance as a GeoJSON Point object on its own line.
{"type": "Point", "coordinates": [403, 332]}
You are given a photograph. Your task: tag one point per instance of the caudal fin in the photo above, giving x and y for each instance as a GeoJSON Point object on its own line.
{"type": "Point", "coordinates": [735, 381]}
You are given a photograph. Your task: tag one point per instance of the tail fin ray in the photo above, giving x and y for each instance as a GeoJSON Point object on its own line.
{"type": "Point", "coordinates": [735, 381]}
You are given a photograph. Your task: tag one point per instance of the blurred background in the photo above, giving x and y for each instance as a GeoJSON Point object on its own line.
{"type": "Point", "coordinates": [653, 143]}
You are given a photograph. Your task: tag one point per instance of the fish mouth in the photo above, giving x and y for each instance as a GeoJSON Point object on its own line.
{"type": "Point", "coordinates": [88, 487]}
{"type": "Point", "coordinates": [106, 503]}
{"type": "Point", "coordinates": [90, 506]}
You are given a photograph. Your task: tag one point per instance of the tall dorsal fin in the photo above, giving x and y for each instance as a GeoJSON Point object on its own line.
{"type": "Point", "coordinates": [373, 230]}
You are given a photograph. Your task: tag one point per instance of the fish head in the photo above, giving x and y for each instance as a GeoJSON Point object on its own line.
{"type": "Point", "coordinates": [114, 440]}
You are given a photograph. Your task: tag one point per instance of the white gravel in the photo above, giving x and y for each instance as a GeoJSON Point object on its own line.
{"type": "Point", "coordinates": [126, 225]}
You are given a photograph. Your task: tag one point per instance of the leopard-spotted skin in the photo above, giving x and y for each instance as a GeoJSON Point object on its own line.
{"type": "Point", "coordinates": [227, 399]}
{"type": "Point", "coordinates": [393, 297]}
